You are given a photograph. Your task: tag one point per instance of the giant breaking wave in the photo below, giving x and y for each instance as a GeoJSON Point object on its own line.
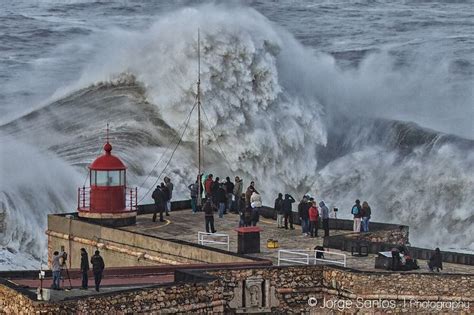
{"type": "Point", "coordinates": [266, 99]}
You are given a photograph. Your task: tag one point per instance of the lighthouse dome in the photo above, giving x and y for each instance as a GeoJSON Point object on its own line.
{"type": "Point", "coordinates": [107, 161]}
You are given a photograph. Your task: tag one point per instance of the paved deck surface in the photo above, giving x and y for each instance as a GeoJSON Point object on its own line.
{"type": "Point", "coordinates": [185, 225]}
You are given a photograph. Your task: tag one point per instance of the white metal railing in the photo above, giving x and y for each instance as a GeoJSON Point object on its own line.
{"type": "Point", "coordinates": [213, 238]}
{"type": "Point", "coordinates": [306, 256]}
{"type": "Point", "coordinates": [303, 258]}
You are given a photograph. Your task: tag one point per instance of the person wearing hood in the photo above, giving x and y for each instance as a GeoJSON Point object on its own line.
{"type": "Point", "coordinates": [436, 261]}
{"type": "Point", "coordinates": [256, 204]}
{"type": "Point", "coordinates": [287, 205]}
{"type": "Point", "coordinates": [279, 210]}
{"type": "Point", "coordinates": [325, 216]}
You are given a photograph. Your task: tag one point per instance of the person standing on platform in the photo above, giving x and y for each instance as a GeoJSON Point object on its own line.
{"type": "Point", "coordinates": [436, 261]}
{"type": "Point", "coordinates": [238, 186]}
{"type": "Point", "coordinates": [159, 198]}
{"type": "Point", "coordinates": [366, 213]}
{"type": "Point", "coordinates": [170, 187]}
{"type": "Point", "coordinates": [325, 217]}
{"type": "Point", "coordinates": [248, 193]}
{"type": "Point", "coordinates": [208, 185]}
{"type": "Point", "coordinates": [221, 200]}
{"type": "Point", "coordinates": [215, 191]}
{"type": "Point", "coordinates": [209, 216]}
{"type": "Point", "coordinates": [84, 269]}
{"type": "Point", "coordinates": [166, 195]}
{"type": "Point", "coordinates": [98, 267]}
{"type": "Point", "coordinates": [287, 205]}
{"type": "Point", "coordinates": [193, 189]}
{"type": "Point", "coordinates": [279, 210]}
{"type": "Point", "coordinates": [229, 187]}
{"type": "Point", "coordinates": [56, 269]}
{"type": "Point", "coordinates": [303, 213]}
{"type": "Point", "coordinates": [356, 211]}
{"type": "Point", "coordinates": [256, 204]}
{"type": "Point", "coordinates": [313, 220]}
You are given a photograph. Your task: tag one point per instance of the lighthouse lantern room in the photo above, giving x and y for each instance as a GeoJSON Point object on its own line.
{"type": "Point", "coordinates": [108, 200]}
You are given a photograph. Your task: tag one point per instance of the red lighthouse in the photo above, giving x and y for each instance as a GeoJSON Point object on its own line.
{"type": "Point", "coordinates": [108, 201]}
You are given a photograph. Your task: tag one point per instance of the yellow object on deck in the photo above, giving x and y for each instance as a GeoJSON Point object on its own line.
{"type": "Point", "coordinates": [271, 243]}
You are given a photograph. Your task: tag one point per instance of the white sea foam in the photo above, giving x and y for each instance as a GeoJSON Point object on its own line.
{"type": "Point", "coordinates": [268, 100]}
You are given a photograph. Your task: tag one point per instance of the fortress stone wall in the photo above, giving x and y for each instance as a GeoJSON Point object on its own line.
{"type": "Point", "coordinates": [294, 289]}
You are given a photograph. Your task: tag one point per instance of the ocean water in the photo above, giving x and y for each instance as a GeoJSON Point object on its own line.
{"type": "Point", "coordinates": [339, 99]}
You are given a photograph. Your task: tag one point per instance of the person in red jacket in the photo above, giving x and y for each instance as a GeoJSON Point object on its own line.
{"type": "Point", "coordinates": [208, 185]}
{"type": "Point", "coordinates": [313, 219]}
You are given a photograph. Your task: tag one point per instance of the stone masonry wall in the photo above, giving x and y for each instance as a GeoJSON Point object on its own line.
{"type": "Point", "coordinates": [391, 236]}
{"type": "Point", "coordinates": [281, 290]}
{"type": "Point", "coordinates": [398, 291]}
{"type": "Point", "coordinates": [182, 298]}
{"type": "Point", "coordinates": [292, 286]}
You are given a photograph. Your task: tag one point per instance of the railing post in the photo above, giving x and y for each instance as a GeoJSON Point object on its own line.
{"type": "Point", "coordinates": [78, 198]}
{"type": "Point", "coordinates": [131, 199]}
{"type": "Point", "coordinates": [84, 197]}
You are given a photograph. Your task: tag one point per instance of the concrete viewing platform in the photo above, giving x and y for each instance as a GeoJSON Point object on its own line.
{"type": "Point", "coordinates": [184, 225]}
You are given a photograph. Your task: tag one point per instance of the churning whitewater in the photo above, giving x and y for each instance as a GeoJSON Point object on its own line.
{"type": "Point", "coordinates": [275, 112]}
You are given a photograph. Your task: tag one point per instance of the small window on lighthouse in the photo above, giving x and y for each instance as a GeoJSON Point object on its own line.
{"type": "Point", "coordinates": [101, 178]}
{"type": "Point", "coordinates": [113, 178]}
{"type": "Point", "coordinates": [106, 178]}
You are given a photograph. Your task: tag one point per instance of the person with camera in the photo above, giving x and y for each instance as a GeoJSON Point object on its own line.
{"type": "Point", "coordinates": [98, 267]}
{"type": "Point", "coordinates": [56, 269]}
{"type": "Point", "coordinates": [84, 269]}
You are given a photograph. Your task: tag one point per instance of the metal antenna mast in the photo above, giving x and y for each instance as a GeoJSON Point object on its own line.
{"type": "Point", "coordinates": [199, 199]}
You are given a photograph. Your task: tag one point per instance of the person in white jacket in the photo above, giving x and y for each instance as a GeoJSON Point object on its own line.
{"type": "Point", "coordinates": [256, 204]}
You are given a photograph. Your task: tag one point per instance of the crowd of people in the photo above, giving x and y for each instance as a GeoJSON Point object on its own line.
{"type": "Point", "coordinates": [222, 197]}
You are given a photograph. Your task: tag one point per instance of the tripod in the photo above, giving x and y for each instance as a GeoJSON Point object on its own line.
{"type": "Point", "coordinates": [69, 278]}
